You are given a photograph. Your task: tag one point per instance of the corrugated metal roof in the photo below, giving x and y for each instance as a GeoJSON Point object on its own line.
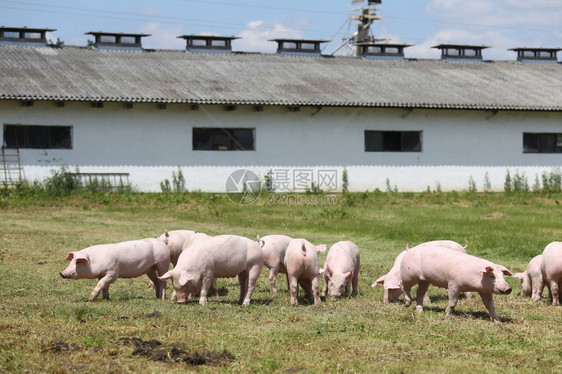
{"type": "Point", "coordinates": [85, 74]}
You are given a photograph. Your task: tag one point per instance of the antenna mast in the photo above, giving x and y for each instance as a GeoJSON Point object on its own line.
{"type": "Point", "coordinates": [365, 13]}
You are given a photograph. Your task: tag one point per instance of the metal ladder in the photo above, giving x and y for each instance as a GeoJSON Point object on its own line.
{"type": "Point", "coordinates": [11, 172]}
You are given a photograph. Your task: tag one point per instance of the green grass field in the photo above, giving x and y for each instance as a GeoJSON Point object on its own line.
{"type": "Point", "coordinates": [47, 324]}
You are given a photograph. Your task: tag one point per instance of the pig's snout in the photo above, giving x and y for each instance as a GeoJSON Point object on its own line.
{"type": "Point", "coordinates": [506, 291]}
{"type": "Point", "coordinates": [63, 275]}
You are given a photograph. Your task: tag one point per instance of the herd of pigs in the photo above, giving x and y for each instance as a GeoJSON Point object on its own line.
{"type": "Point", "coordinates": [199, 259]}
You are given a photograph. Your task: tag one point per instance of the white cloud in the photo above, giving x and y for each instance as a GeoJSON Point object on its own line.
{"type": "Point", "coordinates": [501, 24]}
{"type": "Point", "coordinates": [163, 37]}
{"type": "Point", "coordinates": [255, 36]}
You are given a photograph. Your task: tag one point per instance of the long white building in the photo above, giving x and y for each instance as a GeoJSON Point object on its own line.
{"type": "Point", "coordinates": [115, 107]}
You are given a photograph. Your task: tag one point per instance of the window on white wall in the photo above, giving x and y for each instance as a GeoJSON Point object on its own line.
{"type": "Point", "coordinates": [33, 136]}
{"type": "Point", "coordinates": [542, 142]}
{"type": "Point", "coordinates": [392, 141]}
{"type": "Point", "coordinates": [221, 139]}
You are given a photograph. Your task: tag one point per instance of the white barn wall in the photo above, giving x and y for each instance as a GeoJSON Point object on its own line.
{"type": "Point", "coordinates": [150, 143]}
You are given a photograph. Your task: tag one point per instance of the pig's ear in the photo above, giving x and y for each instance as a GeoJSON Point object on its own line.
{"type": "Point", "coordinates": [505, 271]}
{"type": "Point", "coordinates": [380, 280]}
{"type": "Point", "coordinates": [321, 271]}
{"type": "Point", "coordinates": [393, 283]}
{"type": "Point", "coordinates": [519, 276]}
{"type": "Point", "coordinates": [488, 269]}
{"type": "Point", "coordinates": [184, 278]}
{"type": "Point", "coordinates": [167, 275]}
{"type": "Point", "coordinates": [348, 274]}
{"type": "Point", "coordinates": [69, 256]}
{"type": "Point", "coordinates": [321, 248]}
{"type": "Point", "coordinates": [81, 258]}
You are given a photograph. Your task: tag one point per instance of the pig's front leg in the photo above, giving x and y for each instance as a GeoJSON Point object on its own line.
{"type": "Point", "coordinates": [420, 295]}
{"type": "Point", "coordinates": [537, 289]}
{"type": "Point", "coordinates": [103, 284]}
{"type": "Point", "coordinates": [325, 288]}
{"type": "Point", "coordinates": [488, 300]}
{"type": "Point", "coordinates": [453, 299]}
{"type": "Point", "coordinates": [206, 283]}
{"type": "Point", "coordinates": [355, 284]}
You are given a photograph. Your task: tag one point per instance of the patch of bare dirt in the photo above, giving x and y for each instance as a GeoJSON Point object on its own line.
{"type": "Point", "coordinates": [154, 350]}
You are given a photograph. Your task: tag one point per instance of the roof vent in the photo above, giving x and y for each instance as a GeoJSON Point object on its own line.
{"type": "Point", "coordinates": [112, 40]}
{"type": "Point", "coordinates": [298, 47]}
{"type": "Point", "coordinates": [382, 51]}
{"type": "Point", "coordinates": [24, 36]}
{"type": "Point", "coordinates": [537, 55]}
{"type": "Point", "coordinates": [208, 44]}
{"type": "Point", "coordinates": [461, 53]}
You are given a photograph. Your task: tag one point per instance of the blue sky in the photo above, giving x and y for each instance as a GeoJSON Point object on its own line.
{"type": "Point", "coordinates": [501, 24]}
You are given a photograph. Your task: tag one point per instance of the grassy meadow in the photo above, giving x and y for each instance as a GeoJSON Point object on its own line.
{"type": "Point", "coordinates": [48, 325]}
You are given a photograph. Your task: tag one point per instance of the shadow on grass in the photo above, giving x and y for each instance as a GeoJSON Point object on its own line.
{"type": "Point", "coordinates": [482, 315]}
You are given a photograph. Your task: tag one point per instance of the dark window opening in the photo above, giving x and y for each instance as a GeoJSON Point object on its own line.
{"type": "Point", "coordinates": [45, 137]}
{"type": "Point", "coordinates": [392, 141]}
{"type": "Point", "coordinates": [219, 139]}
{"type": "Point", "coordinates": [542, 142]}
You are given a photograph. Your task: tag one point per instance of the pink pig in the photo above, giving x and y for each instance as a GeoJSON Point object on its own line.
{"type": "Point", "coordinates": [392, 281]}
{"type": "Point", "coordinates": [301, 262]}
{"type": "Point", "coordinates": [131, 259]}
{"type": "Point", "coordinates": [274, 248]}
{"type": "Point", "coordinates": [551, 269]}
{"type": "Point", "coordinates": [458, 272]}
{"type": "Point", "coordinates": [222, 256]}
{"type": "Point", "coordinates": [341, 269]}
{"type": "Point", "coordinates": [175, 240]}
{"type": "Point", "coordinates": [532, 283]}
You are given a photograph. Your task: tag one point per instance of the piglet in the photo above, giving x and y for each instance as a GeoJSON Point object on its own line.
{"type": "Point", "coordinates": [274, 248]}
{"type": "Point", "coordinates": [130, 259]}
{"type": "Point", "coordinates": [175, 240]}
{"type": "Point", "coordinates": [341, 269]}
{"type": "Point", "coordinates": [532, 283]}
{"type": "Point", "coordinates": [222, 256]}
{"type": "Point", "coordinates": [458, 272]}
{"type": "Point", "coordinates": [301, 262]}
{"type": "Point", "coordinates": [551, 269]}
{"type": "Point", "coordinates": [392, 281]}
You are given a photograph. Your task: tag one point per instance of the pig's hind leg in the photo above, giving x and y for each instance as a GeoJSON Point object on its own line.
{"type": "Point", "coordinates": [453, 299]}
{"type": "Point", "coordinates": [243, 280]}
{"type": "Point", "coordinates": [273, 278]}
{"type": "Point", "coordinates": [103, 285]}
{"type": "Point", "coordinates": [159, 285]}
{"type": "Point", "coordinates": [420, 295]}
{"type": "Point", "coordinates": [253, 275]}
